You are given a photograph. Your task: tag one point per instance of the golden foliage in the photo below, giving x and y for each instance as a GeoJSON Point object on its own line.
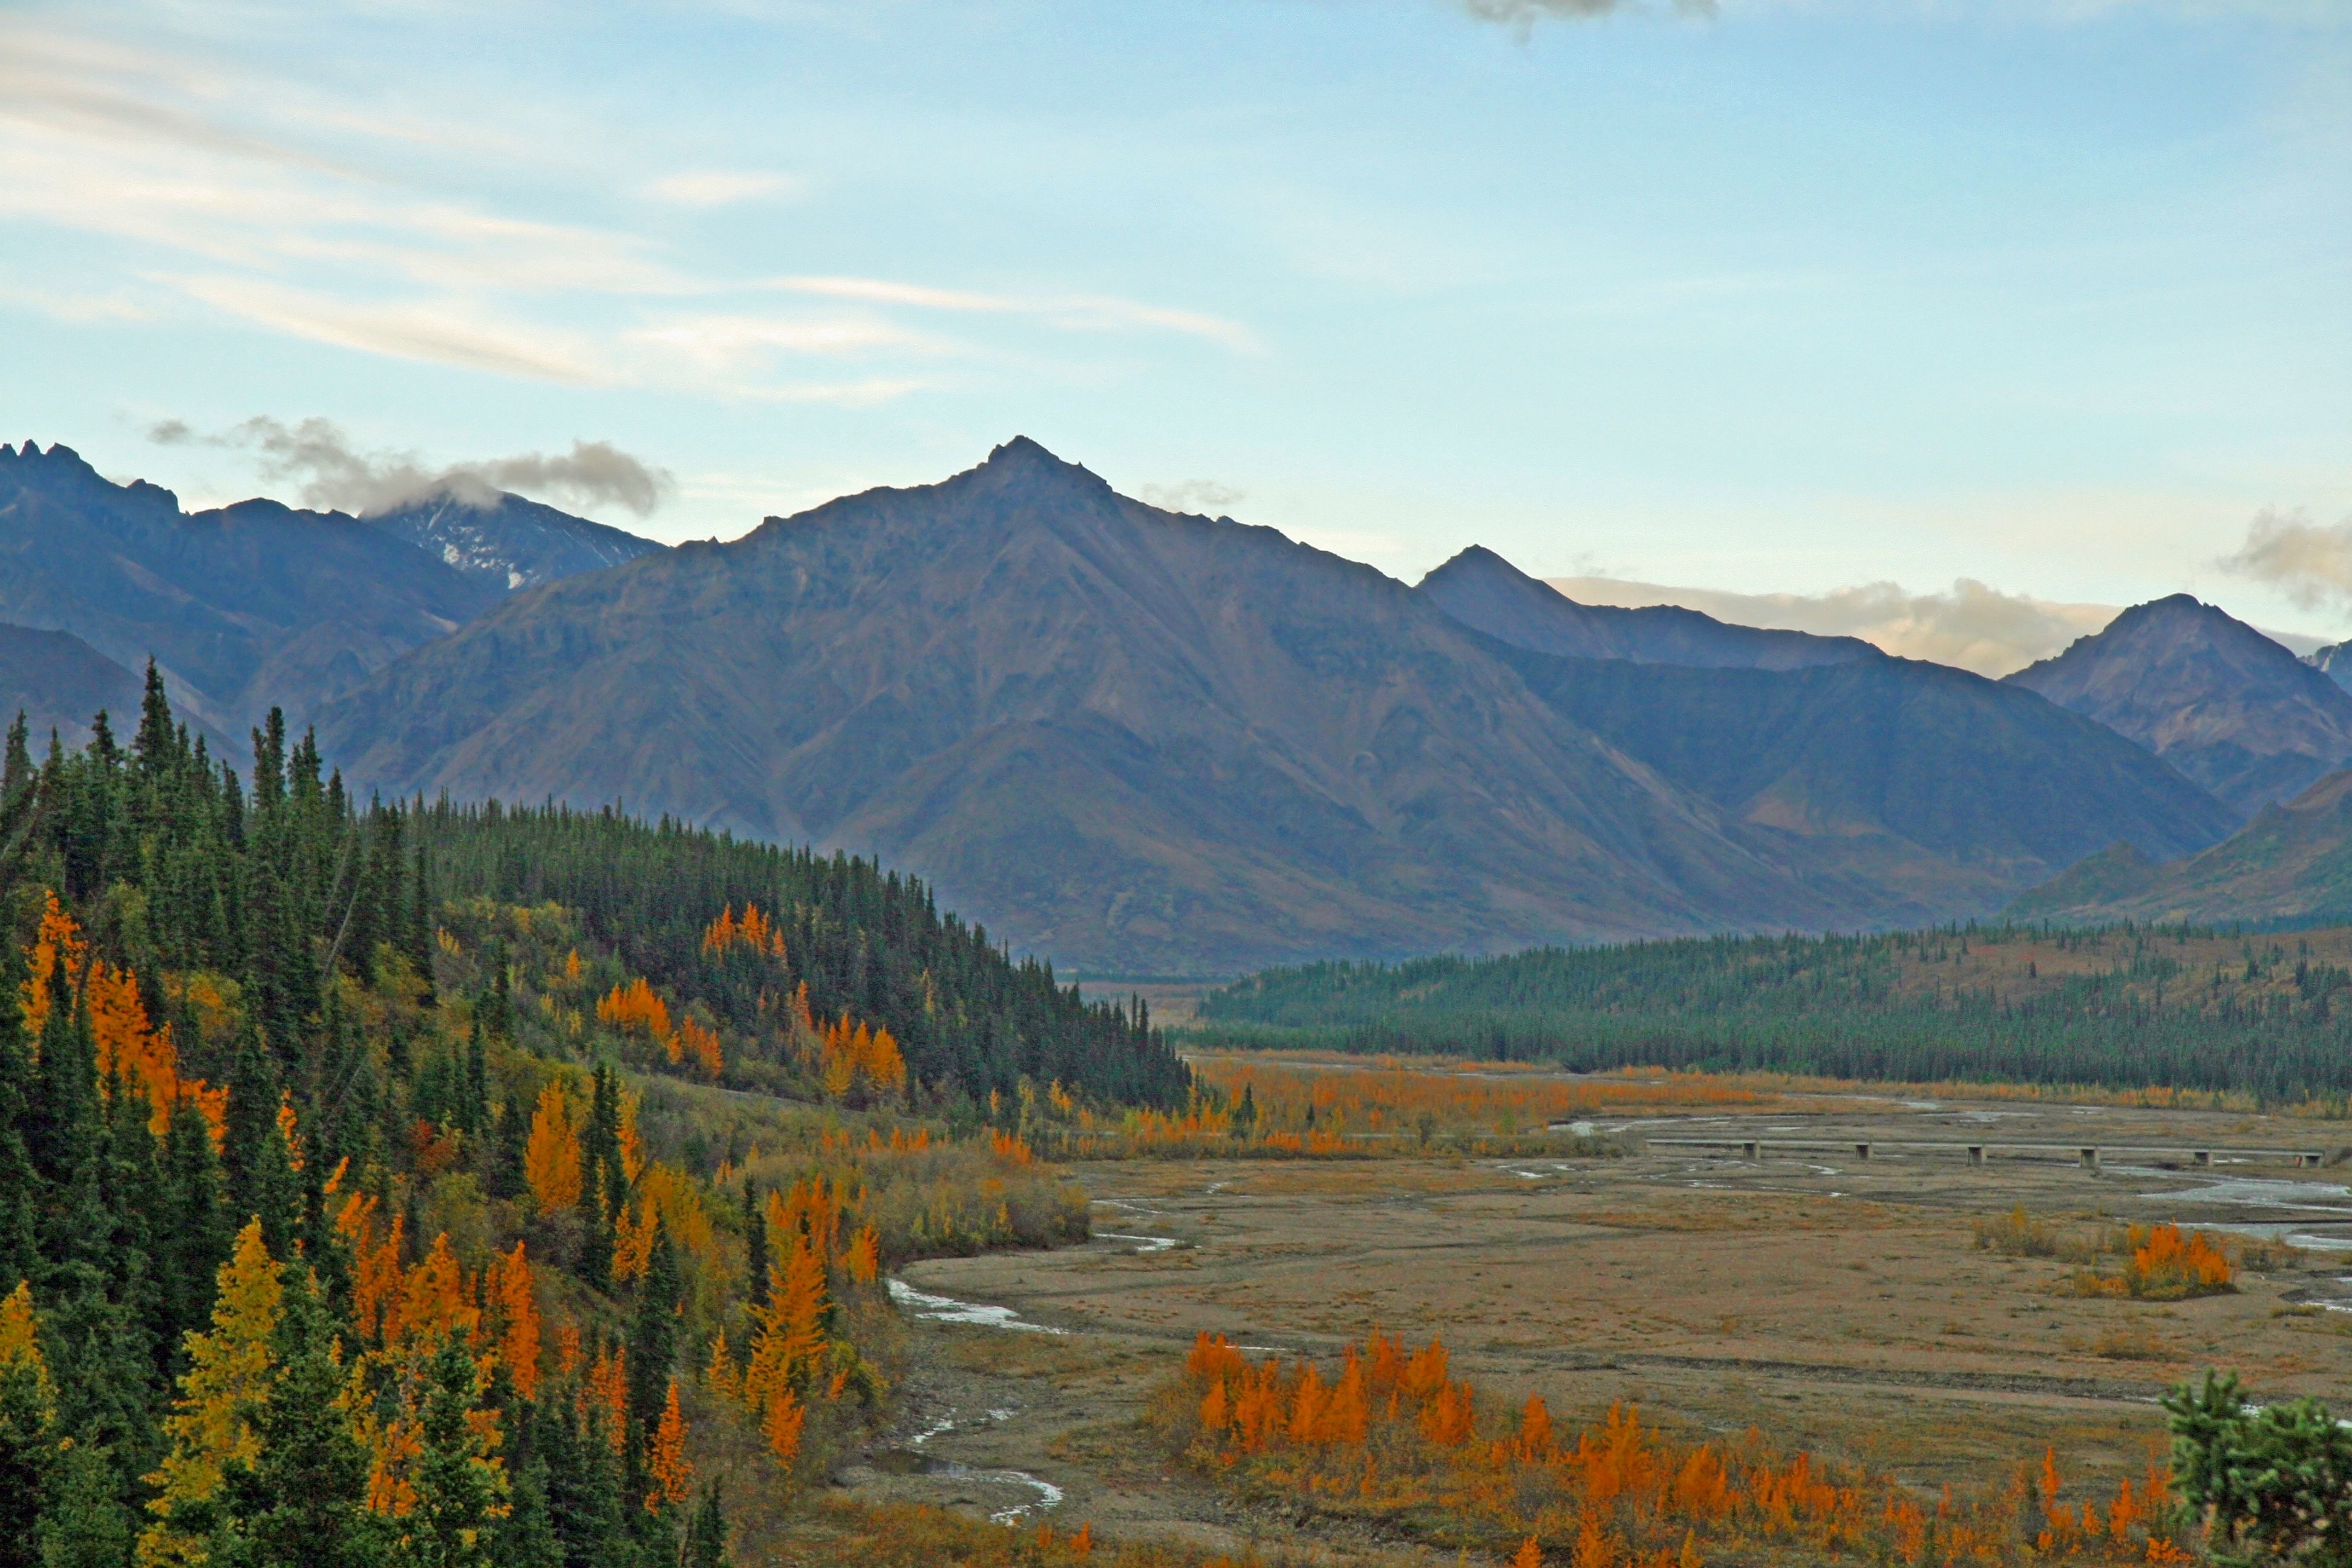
{"type": "Point", "coordinates": [634, 1007]}
{"type": "Point", "coordinates": [665, 1462]}
{"type": "Point", "coordinates": [551, 1158]}
{"type": "Point", "coordinates": [1394, 1435]}
{"type": "Point", "coordinates": [754, 933]}
{"type": "Point", "coordinates": [22, 1367]}
{"type": "Point", "coordinates": [230, 1373]}
{"type": "Point", "coordinates": [513, 1300]}
{"type": "Point", "coordinates": [58, 942]}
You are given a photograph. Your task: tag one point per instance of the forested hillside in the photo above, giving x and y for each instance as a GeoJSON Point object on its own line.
{"type": "Point", "coordinates": [2123, 1006]}
{"type": "Point", "coordinates": [372, 1190]}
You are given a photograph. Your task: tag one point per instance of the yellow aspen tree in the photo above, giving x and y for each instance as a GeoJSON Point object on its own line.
{"type": "Point", "coordinates": [229, 1376]}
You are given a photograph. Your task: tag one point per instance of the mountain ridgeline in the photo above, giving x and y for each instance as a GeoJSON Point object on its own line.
{"type": "Point", "coordinates": [1147, 743]}
{"type": "Point", "coordinates": [2227, 706]}
{"type": "Point", "coordinates": [258, 604]}
{"type": "Point", "coordinates": [1153, 743]}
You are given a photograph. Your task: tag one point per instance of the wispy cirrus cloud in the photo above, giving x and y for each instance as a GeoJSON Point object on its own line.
{"type": "Point", "coordinates": [720, 187]}
{"type": "Point", "coordinates": [302, 215]}
{"type": "Point", "coordinates": [1080, 313]}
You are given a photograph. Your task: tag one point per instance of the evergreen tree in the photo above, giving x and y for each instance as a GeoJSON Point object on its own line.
{"type": "Point", "coordinates": [87, 1523]}
{"type": "Point", "coordinates": [301, 1502]}
{"type": "Point", "coordinates": [653, 1337]}
{"type": "Point", "coordinates": [19, 1182]}
{"type": "Point", "coordinates": [461, 1489]}
{"type": "Point", "coordinates": [755, 1244]}
{"type": "Point", "coordinates": [706, 1534]}
{"type": "Point", "coordinates": [583, 1487]}
{"type": "Point", "coordinates": [27, 1412]}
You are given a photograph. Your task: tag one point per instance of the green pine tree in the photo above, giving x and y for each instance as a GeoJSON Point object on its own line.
{"type": "Point", "coordinates": [461, 1492]}
{"type": "Point", "coordinates": [303, 1502]}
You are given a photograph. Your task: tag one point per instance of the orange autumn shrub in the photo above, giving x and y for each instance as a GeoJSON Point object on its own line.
{"type": "Point", "coordinates": [1394, 1436]}
{"type": "Point", "coordinates": [634, 1007]}
{"type": "Point", "coordinates": [2168, 1262]}
{"type": "Point", "coordinates": [755, 933]}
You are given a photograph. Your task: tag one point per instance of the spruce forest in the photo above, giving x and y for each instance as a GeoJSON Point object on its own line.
{"type": "Point", "coordinates": [2262, 1014]}
{"type": "Point", "coordinates": [385, 1183]}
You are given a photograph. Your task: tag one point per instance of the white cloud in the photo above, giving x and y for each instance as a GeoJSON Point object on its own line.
{"type": "Point", "coordinates": [718, 187]}
{"type": "Point", "coordinates": [1073, 313]}
{"type": "Point", "coordinates": [1206, 496]}
{"type": "Point", "coordinates": [1970, 626]}
{"type": "Point", "coordinates": [438, 331]}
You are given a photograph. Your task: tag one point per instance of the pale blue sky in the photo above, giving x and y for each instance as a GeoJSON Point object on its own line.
{"type": "Point", "coordinates": [1798, 295]}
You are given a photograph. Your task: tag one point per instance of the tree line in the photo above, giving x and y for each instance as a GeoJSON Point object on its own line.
{"type": "Point", "coordinates": [2128, 1007]}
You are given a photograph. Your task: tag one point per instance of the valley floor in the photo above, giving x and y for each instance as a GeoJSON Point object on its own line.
{"type": "Point", "coordinates": [1837, 1304]}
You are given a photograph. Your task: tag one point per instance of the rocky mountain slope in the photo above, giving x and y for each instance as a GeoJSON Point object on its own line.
{"type": "Point", "coordinates": [2291, 866]}
{"type": "Point", "coordinates": [1945, 790]}
{"type": "Point", "coordinates": [2219, 700]}
{"type": "Point", "coordinates": [1482, 591]}
{"type": "Point", "coordinates": [1156, 743]}
{"type": "Point", "coordinates": [512, 542]}
{"type": "Point", "coordinates": [59, 682]}
{"type": "Point", "coordinates": [255, 604]}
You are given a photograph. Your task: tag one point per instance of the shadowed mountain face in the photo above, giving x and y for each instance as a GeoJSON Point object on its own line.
{"type": "Point", "coordinates": [1482, 590]}
{"type": "Point", "coordinates": [1143, 742]}
{"type": "Point", "coordinates": [59, 682]}
{"type": "Point", "coordinates": [2333, 661]}
{"type": "Point", "coordinates": [2210, 695]}
{"type": "Point", "coordinates": [252, 604]}
{"type": "Point", "coordinates": [512, 542]}
{"type": "Point", "coordinates": [2291, 866]}
{"type": "Point", "coordinates": [1944, 789]}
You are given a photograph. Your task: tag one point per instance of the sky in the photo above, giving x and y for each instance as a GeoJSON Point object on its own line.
{"type": "Point", "coordinates": [1983, 310]}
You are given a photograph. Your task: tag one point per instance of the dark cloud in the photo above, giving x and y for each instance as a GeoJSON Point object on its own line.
{"type": "Point", "coordinates": [317, 457]}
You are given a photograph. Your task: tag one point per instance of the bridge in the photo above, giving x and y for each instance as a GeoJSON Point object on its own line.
{"type": "Point", "coordinates": [2088, 1155]}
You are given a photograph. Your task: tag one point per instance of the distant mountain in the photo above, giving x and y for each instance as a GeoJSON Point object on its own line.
{"type": "Point", "coordinates": [514, 542]}
{"type": "Point", "coordinates": [2333, 661]}
{"type": "Point", "coordinates": [1147, 742]}
{"type": "Point", "coordinates": [1482, 590]}
{"type": "Point", "coordinates": [1947, 791]}
{"type": "Point", "coordinates": [2227, 706]}
{"type": "Point", "coordinates": [2291, 866]}
{"type": "Point", "coordinates": [59, 682]}
{"type": "Point", "coordinates": [255, 604]}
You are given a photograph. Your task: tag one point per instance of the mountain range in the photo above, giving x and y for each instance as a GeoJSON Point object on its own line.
{"type": "Point", "coordinates": [1142, 742]}
{"type": "Point", "coordinates": [258, 604]}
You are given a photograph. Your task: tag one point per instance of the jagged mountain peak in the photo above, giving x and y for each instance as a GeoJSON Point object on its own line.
{"type": "Point", "coordinates": [2232, 709]}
